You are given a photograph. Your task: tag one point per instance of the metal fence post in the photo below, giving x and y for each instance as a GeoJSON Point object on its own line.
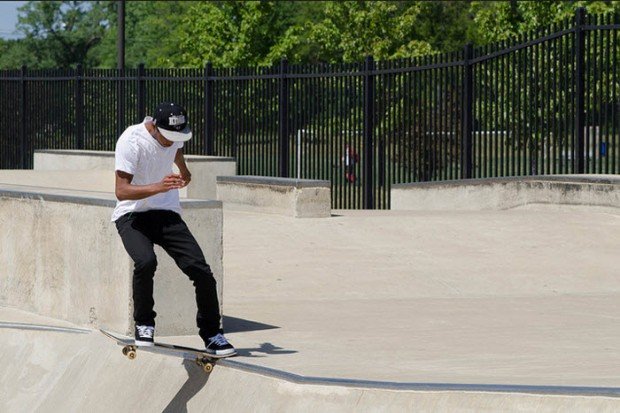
{"type": "Point", "coordinates": [23, 120]}
{"type": "Point", "coordinates": [208, 144]}
{"type": "Point", "coordinates": [369, 126]}
{"type": "Point", "coordinates": [579, 145]}
{"type": "Point", "coordinates": [79, 107]}
{"type": "Point", "coordinates": [141, 93]}
{"type": "Point", "coordinates": [120, 102]}
{"type": "Point", "coordinates": [467, 114]}
{"type": "Point", "coordinates": [283, 119]}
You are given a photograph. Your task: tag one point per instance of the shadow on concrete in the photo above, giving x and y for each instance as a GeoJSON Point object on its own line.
{"type": "Point", "coordinates": [265, 349]}
{"type": "Point", "coordinates": [196, 380]}
{"type": "Point", "coordinates": [239, 325]}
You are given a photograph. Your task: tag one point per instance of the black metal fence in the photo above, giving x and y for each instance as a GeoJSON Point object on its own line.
{"type": "Point", "coordinates": [546, 103]}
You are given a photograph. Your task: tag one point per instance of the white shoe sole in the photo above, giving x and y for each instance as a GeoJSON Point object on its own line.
{"type": "Point", "coordinates": [224, 353]}
{"type": "Point", "coordinates": [144, 343]}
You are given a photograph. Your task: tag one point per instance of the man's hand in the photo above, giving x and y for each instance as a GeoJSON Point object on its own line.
{"type": "Point", "coordinates": [172, 181]}
{"type": "Point", "coordinates": [126, 191]}
{"type": "Point", "coordinates": [186, 176]}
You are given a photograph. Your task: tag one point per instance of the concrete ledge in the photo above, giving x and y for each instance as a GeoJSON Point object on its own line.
{"type": "Point", "coordinates": [85, 180]}
{"type": "Point", "coordinates": [506, 193]}
{"type": "Point", "coordinates": [299, 198]}
{"type": "Point", "coordinates": [204, 169]}
{"type": "Point", "coordinates": [61, 257]}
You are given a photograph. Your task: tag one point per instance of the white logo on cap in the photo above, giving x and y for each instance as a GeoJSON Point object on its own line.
{"type": "Point", "coordinates": [176, 120]}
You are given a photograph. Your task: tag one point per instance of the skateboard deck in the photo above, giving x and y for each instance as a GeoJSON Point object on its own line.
{"type": "Point", "coordinates": [130, 349]}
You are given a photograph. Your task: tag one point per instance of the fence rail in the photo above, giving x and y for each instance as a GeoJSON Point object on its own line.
{"type": "Point", "coordinates": [545, 103]}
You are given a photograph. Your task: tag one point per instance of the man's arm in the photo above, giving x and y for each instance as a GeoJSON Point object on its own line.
{"type": "Point", "coordinates": [124, 190]}
{"type": "Point", "coordinates": [179, 160]}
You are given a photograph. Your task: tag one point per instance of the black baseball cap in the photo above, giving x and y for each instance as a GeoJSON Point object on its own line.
{"type": "Point", "coordinates": [171, 120]}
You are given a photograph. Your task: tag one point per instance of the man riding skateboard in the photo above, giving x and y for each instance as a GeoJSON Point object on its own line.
{"type": "Point", "coordinates": [148, 212]}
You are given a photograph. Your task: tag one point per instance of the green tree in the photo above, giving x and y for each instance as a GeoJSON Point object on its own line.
{"type": "Point", "coordinates": [152, 31]}
{"type": "Point", "coordinates": [252, 33]}
{"type": "Point", "coordinates": [445, 25]}
{"type": "Point", "coordinates": [15, 53]}
{"type": "Point", "coordinates": [351, 30]}
{"type": "Point", "coordinates": [232, 34]}
{"type": "Point", "coordinates": [348, 31]}
{"type": "Point", "coordinates": [501, 20]}
{"type": "Point", "coordinates": [58, 34]}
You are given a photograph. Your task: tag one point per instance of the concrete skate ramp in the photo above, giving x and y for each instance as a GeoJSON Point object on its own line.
{"type": "Point", "coordinates": [512, 310]}
{"type": "Point", "coordinates": [66, 369]}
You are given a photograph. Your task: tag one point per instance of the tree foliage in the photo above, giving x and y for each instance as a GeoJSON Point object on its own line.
{"type": "Point", "coordinates": [58, 33]}
{"type": "Point", "coordinates": [232, 33]}
{"type": "Point", "coordinates": [152, 30]}
{"type": "Point", "coordinates": [500, 20]}
{"type": "Point", "coordinates": [260, 33]}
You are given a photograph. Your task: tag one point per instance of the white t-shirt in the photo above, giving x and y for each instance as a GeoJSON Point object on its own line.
{"type": "Point", "coordinates": [138, 153]}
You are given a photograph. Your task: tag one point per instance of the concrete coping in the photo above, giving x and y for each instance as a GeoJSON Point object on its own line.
{"type": "Point", "coordinates": [571, 179]}
{"type": "Point", "coordinates": [77, 152]}
{"type": "Point", "coordinates": [208, 158]}
{"type": "Point", "coordinates": [80, 152]}
{"type": "Point", "coordinates": [84, 197]}
{"type": "Point", "coordinates": [273, 181]}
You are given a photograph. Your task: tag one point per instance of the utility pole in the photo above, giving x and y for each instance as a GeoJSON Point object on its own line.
{"type": "Point", "coordinates": [120, 65]}
{"type": "Point", "coordinates": [120, 43]}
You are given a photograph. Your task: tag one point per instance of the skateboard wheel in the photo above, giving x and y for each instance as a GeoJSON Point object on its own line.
{"type": "Point", "coordinates": [130, 352]}
{"type": "Point", "coordinates": [206, 365]}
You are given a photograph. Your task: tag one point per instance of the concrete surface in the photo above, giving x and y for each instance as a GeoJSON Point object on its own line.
{"type": "Point", "coordinates": [298, 198]}
{"type": "Point", "coordinates": [61, 256]}
{"type": "Point", "coordinates": [66, 370]}
{"type": "Point", "coordinates": [395, 310]}
{"type": "Point", "coordinates": [204, 170]}
{"type": "Point", "coordinates": [601, 191]}
{"type": "Point", "coordinates": [508, 297]}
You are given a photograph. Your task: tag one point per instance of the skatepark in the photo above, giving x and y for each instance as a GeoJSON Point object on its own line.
{"type": "Point", "coordinates": [438, 309]}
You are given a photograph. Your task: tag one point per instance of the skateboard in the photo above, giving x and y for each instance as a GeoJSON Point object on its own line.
{"type": "Point", "coordinates": [205, 360]}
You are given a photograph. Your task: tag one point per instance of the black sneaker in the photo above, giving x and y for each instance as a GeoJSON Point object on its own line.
{"type": "Point", "coordinates": [219, 346]}
{"type": "Point", "coordinates": [145, 336]}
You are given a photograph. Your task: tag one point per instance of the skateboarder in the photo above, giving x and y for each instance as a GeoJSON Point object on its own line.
{"type": "Point", "coordinates": [148, 212]}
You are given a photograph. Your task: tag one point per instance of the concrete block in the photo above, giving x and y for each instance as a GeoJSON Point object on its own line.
{"type": "Point", "coordinates": [66, 159]}
{"type": "Point", "coordinates": [60, 256]}
{"type": "Point", "coordinates": [299, 198]}
{"type": "Point", "coordinates": [93, 180]}
{"type": "Point", "coordinates": [204, 169]}
{"type": "Point", "coordinates": [506, 193]}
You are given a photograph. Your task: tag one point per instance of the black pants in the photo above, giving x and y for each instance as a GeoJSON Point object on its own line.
{"type": "Point", "coordinates": [139, 231]}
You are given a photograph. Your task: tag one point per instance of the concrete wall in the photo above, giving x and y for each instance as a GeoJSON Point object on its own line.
{"type": "Point", "coordinates": [56, 160]}
{"type": "Point", "coordinates": [204, 169]}
{"type": "Point", "coordinates": [80, 180]}
{"type": "Point", "coordinates": [60, 256]}
{"type": "Point", "coordinates": [506, 193]}
{"type": "Point", "coordinates": [302, 198]}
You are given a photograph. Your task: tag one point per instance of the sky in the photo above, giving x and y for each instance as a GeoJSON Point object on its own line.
{"type": "Point", "coordinates": [8, 18]}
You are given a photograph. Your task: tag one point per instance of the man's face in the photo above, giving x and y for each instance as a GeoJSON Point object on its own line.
{"type": "Point", "coordinates": [164, 142]}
